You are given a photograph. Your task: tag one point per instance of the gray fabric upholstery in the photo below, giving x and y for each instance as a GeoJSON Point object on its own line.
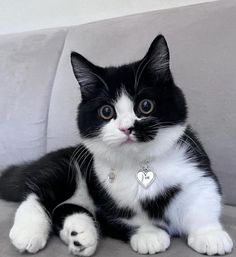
{"type": "Point", "coordinates": [27, 69]}
{"type": "Point", "coordinates": [107, 247]}
{"type": "Point", "coordinates": [39, 95]}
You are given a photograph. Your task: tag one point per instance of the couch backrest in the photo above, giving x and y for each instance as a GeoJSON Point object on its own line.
{"type": "Point", "coordinates": [28, 63]}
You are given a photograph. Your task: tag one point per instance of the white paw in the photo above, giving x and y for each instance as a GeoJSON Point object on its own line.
{"type": "Point", "coordinates": [28, 238]}
{"type": "Point", "coordinates": [150, 240]}
{"type": "Point", "coordinates": [216, 242]}
{"type": "Point", "coordinates": [31, 226]}
{"type": "Point", "coordinates": [80, 234]}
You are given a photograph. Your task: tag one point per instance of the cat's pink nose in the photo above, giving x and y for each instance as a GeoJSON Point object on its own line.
{"type": "Point", "coordinates": [126, 131]}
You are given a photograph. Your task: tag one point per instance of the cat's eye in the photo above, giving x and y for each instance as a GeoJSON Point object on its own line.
{"type": "Point", "coordinates": [106, 112]}
{"type": "Point", "coordinates": [146, 106]}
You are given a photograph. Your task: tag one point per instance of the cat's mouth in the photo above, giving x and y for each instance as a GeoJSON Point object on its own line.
{"type": "Point", "coordinates": [129, 140]}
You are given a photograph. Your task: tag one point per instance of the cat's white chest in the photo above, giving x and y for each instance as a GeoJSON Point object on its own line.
{"type": "Point", "coordinates": [130, 183]}
{"type": "Point", "coordinates": [126, 186]}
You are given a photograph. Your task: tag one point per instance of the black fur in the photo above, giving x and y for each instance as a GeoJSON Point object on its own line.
{"type": "Point", "coordinates": [156, 207]}
{"type": "Point", "coordinates": [115, 228]}
{"type": "Point", "coordinates": [62, 211]}
{"type": "Point", "coordinates": [49, 178]}
{"type": "Point", "coordinates": [196, 153]}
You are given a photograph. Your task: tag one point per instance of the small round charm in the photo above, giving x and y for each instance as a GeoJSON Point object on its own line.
{"type": "Point", "coordinates": [111, 177]}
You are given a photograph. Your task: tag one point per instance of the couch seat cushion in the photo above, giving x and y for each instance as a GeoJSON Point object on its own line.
{"type": "Point", "coordinates": [107, 247]}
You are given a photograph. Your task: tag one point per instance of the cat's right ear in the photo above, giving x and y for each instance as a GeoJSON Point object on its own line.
{"type": "Point", "coordinates": [86, 73]}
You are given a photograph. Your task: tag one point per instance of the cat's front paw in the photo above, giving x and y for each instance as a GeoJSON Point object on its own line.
{"type": "Point", "coordinates": [80, 234]}
{"type": "Point", "coordinates": [150, 240]}
{"type": "Point", "coordinates": [216, 242]}
{"type": "Point", "coordinates": [31, 227]}
{"type": "Point", "coordinates": [29, 239]}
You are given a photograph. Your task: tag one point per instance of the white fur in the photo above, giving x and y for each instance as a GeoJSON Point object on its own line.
{"type": "Point", "coordinates": [171, 166]}
{"type": "Point", "coordinates": [81, 196]}
{"type": "Point", "coordinates": [87, 234]}
{"type": "Point", "coordinates": [211, 242]}
{"type": "Point", "coordinates": [150, 240]}
{"type": "Point", "coordinates": [81, 222]}
{"type": "Point", "coordinates": [31, 226]}
{"type": "Point", "coordinates": [111, 133]}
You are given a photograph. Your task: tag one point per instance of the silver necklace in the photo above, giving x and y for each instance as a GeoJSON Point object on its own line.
{"type": "Point", "coordinates": [145, 175]}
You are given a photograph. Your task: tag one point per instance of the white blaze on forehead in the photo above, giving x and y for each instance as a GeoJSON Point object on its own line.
{"type": "Point", "coordinates": [125, 111]}
{"type": "Point", "coordinates": [124, 104]}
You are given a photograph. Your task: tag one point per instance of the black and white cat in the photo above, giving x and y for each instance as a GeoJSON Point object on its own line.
{"type": "Point", "coordinates": [139, 175]}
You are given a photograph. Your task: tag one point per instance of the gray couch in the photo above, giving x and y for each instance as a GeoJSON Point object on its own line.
{"type": "Point", "coordinates": [39, 95]}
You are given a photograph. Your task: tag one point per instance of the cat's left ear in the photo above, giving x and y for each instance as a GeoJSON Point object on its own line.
{"type": "Point", "coordinates": [86, 73]}
{"type": "Point", "coordinates": [157, 58]}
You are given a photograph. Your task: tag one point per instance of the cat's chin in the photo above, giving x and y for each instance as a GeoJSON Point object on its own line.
{"type": "Point", "coordinates": [104, 148]}
{"type": "Point", "coordinates": [128, 145]}
{"type": "Point", "coordinates": [128, 141]}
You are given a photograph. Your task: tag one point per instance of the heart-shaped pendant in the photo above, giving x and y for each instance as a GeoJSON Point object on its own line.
{"type": "Point", "coordinates": [145, 177]}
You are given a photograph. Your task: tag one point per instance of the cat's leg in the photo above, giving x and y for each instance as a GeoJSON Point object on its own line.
{"type": "Point", "coordinates": [210, 241]}
{"type": "Point", "coordinates": [39, 186]}
{"type": "Point", "coordinates": [143, 237]}
{"type": "Point", "coordinates": [77, 228]}
{"type": "Point", "coordinates": [31, 226]}
{"type": "Point", "coordinates": [149, 239]}
{"type": "Point", "coordinates": [196, 213]}
{"type": "Point", "coordinates": [205, 232]}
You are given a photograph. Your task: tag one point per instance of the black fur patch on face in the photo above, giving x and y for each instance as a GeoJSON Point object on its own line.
{"type": "Point", "coordinates": [149, 78]}
{"type": "Point", "coordinates": [145, 130]}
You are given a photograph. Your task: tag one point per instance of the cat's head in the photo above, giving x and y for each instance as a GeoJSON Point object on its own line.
{"type": "Point", "coordinates": [130, 106]}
